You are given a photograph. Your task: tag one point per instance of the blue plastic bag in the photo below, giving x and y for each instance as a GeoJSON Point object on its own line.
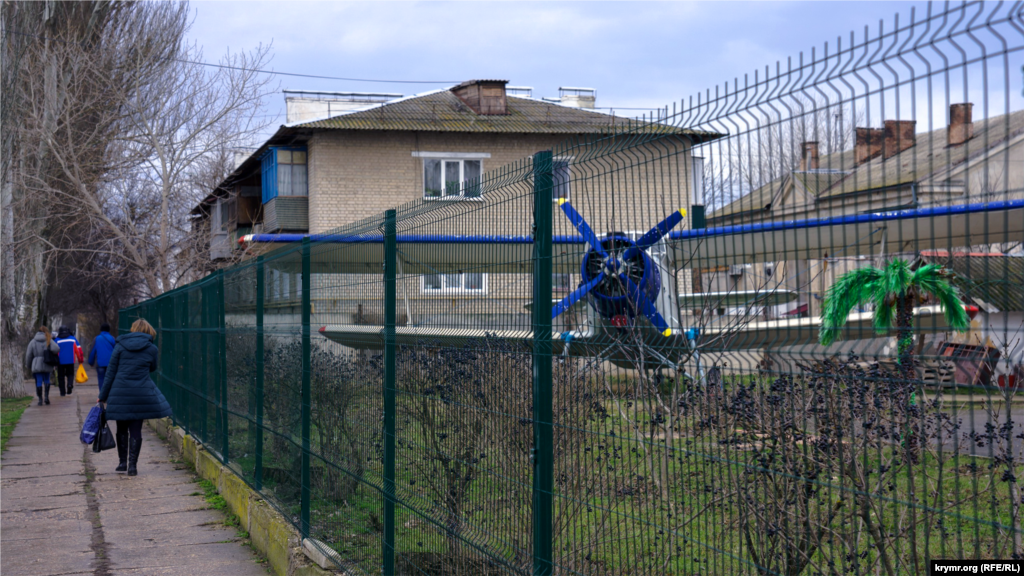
{"type": "Point", "coordinates": [92, 424]}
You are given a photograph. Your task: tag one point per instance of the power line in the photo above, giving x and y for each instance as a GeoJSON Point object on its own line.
{"type": "Point", "coordinates": [272, 72]}
{"type": "Point", "coordinates": [296, 75]}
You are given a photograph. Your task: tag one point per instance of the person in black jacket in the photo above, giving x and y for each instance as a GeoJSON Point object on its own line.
{"type": "Point", "coordinates": [130, 394]}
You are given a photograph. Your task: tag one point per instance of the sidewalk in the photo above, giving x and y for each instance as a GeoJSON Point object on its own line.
{"type": "Point", "coordinates": [66, 512]}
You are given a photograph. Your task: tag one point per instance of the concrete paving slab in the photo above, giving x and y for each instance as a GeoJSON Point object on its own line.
{"type": "Point", "coordinates": [60, 520]}
{"type": "Point", "coordinates": [40, 502]}
{"type": "Point", "coordinates": [46, 559]}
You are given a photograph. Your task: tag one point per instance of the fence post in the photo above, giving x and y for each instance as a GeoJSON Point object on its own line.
{"type": "Point", "coordinates": [222, 362]}
{"type": "Point", "coordinates": [543, 450]}
{"type": "Point", "coordinates": [390, 304]}
{"type": "Point", "coordinates": [204, 334]}
{"type": "Point", "coordinates": [260, 287]}
{"type": "Point", "coordinates": [306, 370]}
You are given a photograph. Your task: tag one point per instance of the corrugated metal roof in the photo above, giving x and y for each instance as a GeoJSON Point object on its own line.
{"type": "Point", "coordinates": [927, 162]}
{"type": "Point", "coordinates": [996, 279]}
{"type": "Point", "coordinates": [442, 111]}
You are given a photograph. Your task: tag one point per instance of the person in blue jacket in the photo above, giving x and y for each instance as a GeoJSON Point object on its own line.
{"type": "Point", "coordinates": [99, 356]}
{"type": "Point", "coordinates": [66, 369]}
{"type": "Point", "coordinates": [130, 394]}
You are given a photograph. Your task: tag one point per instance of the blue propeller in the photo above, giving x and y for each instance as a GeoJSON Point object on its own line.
{"type": "Point", "coordinates": [580, 224]}
{"type": "Point", "coordinates": [625, 278]}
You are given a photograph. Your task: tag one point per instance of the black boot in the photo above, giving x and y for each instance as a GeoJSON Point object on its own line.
{"type": "Point", "coordinates": [46, 394]}
{"type": "Point", "coordinates": [39, 393]}
{"type": "Point", "coordinates": [122, 452]}
{"type": "Point", "coordinates": [134, 447]}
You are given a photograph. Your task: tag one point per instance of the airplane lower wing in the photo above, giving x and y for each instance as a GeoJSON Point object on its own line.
{"type": "Point", "coordinates": [936, 228]}
{"type": "Point", "coordinates": [766, 297]}
{"type": "Point", "coordinates": [363, 337]}
{"type": "Point", "coordinates": [742, 336]}
{"type": "Point", "coordinates": [797, 331]}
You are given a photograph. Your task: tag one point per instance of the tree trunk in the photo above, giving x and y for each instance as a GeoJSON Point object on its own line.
{"type": "Point", "coordinates": [905, 334]}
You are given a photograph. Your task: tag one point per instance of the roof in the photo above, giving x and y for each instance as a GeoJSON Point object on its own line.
{"type": "Point", "coordinates": [995, 279]}
{"type": "Point", "coordinates": [930, 162]}
{"type": "Point", "coordinates": [442, 111]}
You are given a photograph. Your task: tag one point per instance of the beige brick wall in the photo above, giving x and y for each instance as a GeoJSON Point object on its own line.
{"type": "Point", "coordinates": [616, 185]}
{"type": "Point", "coordinates": [357, 174]}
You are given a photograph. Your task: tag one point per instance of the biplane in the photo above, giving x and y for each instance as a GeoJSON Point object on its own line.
{"type": "Point", "coordinates": [628, 279]}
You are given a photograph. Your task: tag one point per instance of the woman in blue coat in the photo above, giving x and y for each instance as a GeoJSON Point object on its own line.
{"type": "Point", "coordinates": [129, 392]}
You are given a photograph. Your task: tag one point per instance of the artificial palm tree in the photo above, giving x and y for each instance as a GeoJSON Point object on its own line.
{"type": "Point", "coordinates": [893, 290]}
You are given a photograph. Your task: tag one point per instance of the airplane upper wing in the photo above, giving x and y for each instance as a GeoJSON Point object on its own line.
{"type": "Point", "coordinates": [903, 230]}
{"type": "Point", "coordinates": [817, 238]}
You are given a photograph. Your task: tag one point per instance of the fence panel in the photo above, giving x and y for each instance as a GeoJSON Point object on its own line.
{"type": "Point", "coordinates": [777, 329]}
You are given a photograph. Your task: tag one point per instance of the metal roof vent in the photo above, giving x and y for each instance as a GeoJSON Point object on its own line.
{"type": "Point", "coordinates": [306, 105]}
{"type": "Point", "coordinates": [521, 91]}
{"type": "Point", "coordinates": [577, 97]}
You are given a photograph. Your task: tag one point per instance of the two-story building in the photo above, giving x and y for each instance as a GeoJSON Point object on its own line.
{"type": "Point", "coordinates": [367, 153]}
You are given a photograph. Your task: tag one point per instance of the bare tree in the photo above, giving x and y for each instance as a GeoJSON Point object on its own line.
{"type": "Point", "coordinates": [167, 129]}
{"type": "Point", "coordinates": [764, 146]}
{"type": "Point", "coordinates": [180, 137]}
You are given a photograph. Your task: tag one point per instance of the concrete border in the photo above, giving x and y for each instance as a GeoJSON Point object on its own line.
{"type": "Point", "coordinates": [271, 534]}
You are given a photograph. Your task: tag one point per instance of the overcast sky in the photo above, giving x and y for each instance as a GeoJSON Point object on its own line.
{"type": "Point", "coordinates": [636, 54]}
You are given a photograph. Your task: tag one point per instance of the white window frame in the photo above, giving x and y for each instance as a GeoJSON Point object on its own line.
{"type": "Point", "coordinates": [567, 160]}
{"type": "Point", "coordinates": [567, 288]}
{"type": "Point", "coordinates": [446, 157]}
{"type": "Point", "coordinates": [304, 193]}
{"type": "Point", "coordinates": [443, 291]}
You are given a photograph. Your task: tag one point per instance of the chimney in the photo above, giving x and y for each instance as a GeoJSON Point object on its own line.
{"type": "Point", "coordinates": [485, 97]}
{"type": "Point", "coordinates": [808, 156]}
{"type": "Point", "coordinates": [577, 97]}
{"type": "Point", "coordinates": [899, 135]}
{"type": "Point", "coordinates": [868, 144]}
{"type": "Point", "coordinates": [961, 128]}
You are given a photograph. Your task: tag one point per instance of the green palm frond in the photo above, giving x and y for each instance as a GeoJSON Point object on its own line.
{"type": "Point", "coordinates": [896, 278]}
{"type": "Point", "coordinates": [885, 312]}
{"type": "Point", "coordinates": [934, 279]}
{"type": "Point", "coordinates": [849, 291]}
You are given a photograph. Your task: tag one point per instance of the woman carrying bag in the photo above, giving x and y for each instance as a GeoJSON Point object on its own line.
{"type": "Point", "coordinates": [42, 363]}
{"type": "Point", "coordinates": [130, 394]}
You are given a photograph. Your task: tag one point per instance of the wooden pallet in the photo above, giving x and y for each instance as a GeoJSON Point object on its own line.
{"type": "Point", "coordinates": [939, 373]}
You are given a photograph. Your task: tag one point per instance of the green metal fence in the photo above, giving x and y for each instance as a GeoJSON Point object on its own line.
{"type": "Point", "coordinates": [566, 375]}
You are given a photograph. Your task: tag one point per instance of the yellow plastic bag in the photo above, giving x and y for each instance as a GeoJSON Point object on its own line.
{"type": "Point", "coordinates": [81, 377]}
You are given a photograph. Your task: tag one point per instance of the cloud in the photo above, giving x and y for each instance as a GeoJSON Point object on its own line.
{"type": "Point", "coordinates": [637, 54]}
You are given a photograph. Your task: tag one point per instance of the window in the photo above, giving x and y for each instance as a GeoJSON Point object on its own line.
{"type": "Point", "coordinates": [227, 213]}
{"type": "Point", "coordinates": [216, 220]}
{"type": "Point", "coordinates": [561, 283]}
{"type": "Point", "coordinates": [472, 282]}
{"type": "Point", "coordinates": [560, 176]}
{"type": "Point", "coordinates": [284, 173]}
{"type": "Point", "coordinates": [284, 286]}
{"type": "Point", "coordinates": [451, 178]}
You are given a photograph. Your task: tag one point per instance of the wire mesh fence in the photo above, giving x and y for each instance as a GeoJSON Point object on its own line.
{"type": "Point", "coordinates": [610, 358]}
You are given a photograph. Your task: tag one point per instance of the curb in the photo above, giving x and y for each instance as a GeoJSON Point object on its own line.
{"type": "Point", "coordinates": [271, 534]}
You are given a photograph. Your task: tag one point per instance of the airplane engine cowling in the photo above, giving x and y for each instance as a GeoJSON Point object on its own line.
{"type": "Point", "coordinates": [610, 297]}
